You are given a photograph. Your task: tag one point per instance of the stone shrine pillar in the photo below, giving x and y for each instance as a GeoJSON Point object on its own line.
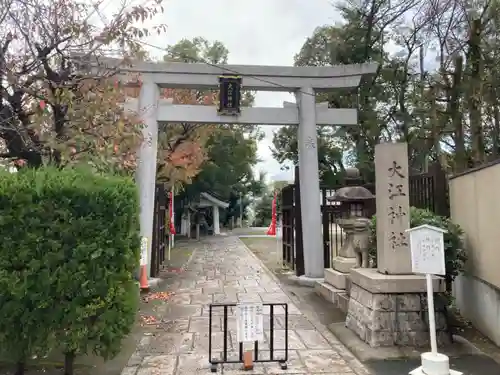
{"type": "Point", "coordinates": [393, 208]}
{"type": "Point", "coordinates": [309, 186]}
{"type": "Point", "coordinates": [387, 306]}
{"type": "Point", "coordinates": [146, 168]}
{"type": "Point", "coordinates": [188, 223]}
{"type": "Point", "coordinates": [183, 223]}
{"type": "Point", "coordinates": [216, 219]}
{"type": "Point", "coordinates": [354, 250]}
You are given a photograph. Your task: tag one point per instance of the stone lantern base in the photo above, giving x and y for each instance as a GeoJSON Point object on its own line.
{"type": "Point", "coordinates": [389, 310]}
{"type": "Point", "coordinates": [336, 285]}
{"type": "Point", "coordinates": [338, 276]}
{"type": "Point", "coordinates": [335, 288]}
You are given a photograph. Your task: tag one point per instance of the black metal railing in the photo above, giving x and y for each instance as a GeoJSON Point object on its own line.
{"type": "Point", "coordinates": [159, 241]}
{"type": "Point", "coordinates": [214, 362]}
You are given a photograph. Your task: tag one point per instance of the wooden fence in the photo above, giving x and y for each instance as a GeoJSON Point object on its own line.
{"type": "Point", "coordinates": [430, 191]}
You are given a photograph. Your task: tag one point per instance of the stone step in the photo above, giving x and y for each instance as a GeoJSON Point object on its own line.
{"type": "Point", "coordinates": [325, 290]}
{"type": "Point", "coordinates": [343, 302]}
{"type": "Point", "coordinates": [331, 294]}
{"type": "Point", "coordinates": [335, 278]}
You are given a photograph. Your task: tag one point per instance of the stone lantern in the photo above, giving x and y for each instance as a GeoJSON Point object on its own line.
{"type": "Point", "coordinates": [356, 202]}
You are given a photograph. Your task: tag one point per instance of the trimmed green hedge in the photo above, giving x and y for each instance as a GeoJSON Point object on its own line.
{"type": "Point", "coordinates": [68, 252]}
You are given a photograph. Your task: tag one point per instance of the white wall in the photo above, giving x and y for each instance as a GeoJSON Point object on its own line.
{"type": "Point", "coordinates": [480, 303]}
{"type": "Point", "coordinates": [478, 293]}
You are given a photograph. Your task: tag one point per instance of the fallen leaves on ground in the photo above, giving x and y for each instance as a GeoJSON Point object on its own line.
{"type": "Point", "coordinates": [175, 270]}
{"type": "Point", "coordinates": [148, 320]}
{"type": "Point", "coordinates": [157, 296]}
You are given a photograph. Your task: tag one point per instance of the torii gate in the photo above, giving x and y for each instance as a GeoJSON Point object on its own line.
{"type": "Point", "coordinates": [305, 82]}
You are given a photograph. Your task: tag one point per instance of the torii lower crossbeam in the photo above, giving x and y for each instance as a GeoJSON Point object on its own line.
{"type": "Point", "coordinates": [253, 116]}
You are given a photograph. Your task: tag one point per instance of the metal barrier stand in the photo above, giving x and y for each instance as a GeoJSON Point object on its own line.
{"type": "Point", "coordinates": [272, 358]}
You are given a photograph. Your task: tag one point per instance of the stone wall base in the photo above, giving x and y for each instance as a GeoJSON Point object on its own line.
{"type": "Point", "coordinates": [394, 319]}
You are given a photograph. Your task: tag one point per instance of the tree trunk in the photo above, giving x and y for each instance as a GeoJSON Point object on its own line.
{"type": "Point", "coordinates": [474, 97]}
{"type": "Point", "coordinates": [496, 132]}
{"type": "Point", "coordinates": [435, 129]}
{"type": "Point", "coordinates": [425, 158]}
{"type": "Point", "coordinates": [456, 116]}
{"type": "Point", "coordinates": [69, 362]}
{"type": "Point", "coordinates": [19, 368]}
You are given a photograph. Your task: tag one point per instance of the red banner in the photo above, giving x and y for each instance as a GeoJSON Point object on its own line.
{"type": "Point", "coordinates": [271, 231]}
{"type": "Point", "coordinates": [170, 213]}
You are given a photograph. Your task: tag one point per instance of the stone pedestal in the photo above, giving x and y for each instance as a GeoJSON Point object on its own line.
{"type": "Point", "coordinates": [342, 264]}
{"type": "Point", "coordinates": [335, 287]}
{"type": "Point", "coordinates": [337, 281]}
{"type": "Point", "coordinates": [338, 275]}
{"type": "Point", "coordinates": [388, 310]}
{"type": "Point", "coordinates": [354, 251]}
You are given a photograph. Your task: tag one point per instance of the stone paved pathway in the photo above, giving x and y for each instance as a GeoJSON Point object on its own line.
{"type": "Point", "coordinates": [224, 270]}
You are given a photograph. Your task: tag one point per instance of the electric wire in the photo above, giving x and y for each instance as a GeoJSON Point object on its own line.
{"type": "Point", "coordinates": [202, 61]}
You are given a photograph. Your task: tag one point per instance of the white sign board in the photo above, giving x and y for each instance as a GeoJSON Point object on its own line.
{"type": "Point", "coordinates": [144, 251]}
{"type": "Point", "coordinates": [427, 250]}
{"type": "Point", "coordinates": [250, 322]}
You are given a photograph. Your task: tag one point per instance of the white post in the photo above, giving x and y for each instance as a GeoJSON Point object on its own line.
{"type": "Point", "coordinates": [216, 219]}
{"type": "Point", "coordinates": [241, 212]}
{"type": "Point", "coordinates": [173, 216]}
{"type": "Point", "coordinates": [427, 257]}
{"type": "Point", "coordinates": [432, 317]}
{"type": "Point", "coordinates": [183, 225]}
{"type": "Point", "coordinates": [279, 235]}
{"type": "Point", "coordinates": [170, 240]}
{"type": "Point", "coordinates": [146, 168]}
{"type": "Point", "coordinates": [309, 184]}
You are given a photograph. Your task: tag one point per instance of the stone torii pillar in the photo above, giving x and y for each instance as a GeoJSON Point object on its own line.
{"type": "Point", "coordinates": [146, 167]}
{"type": "Point", "coordinates": [310, 196]}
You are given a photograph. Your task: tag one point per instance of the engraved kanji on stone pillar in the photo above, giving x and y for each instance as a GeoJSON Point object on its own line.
{"type": "Point", "coordinates": [393, 208]}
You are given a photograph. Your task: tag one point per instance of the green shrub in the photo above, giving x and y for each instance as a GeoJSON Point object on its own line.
{"type": "Point", "coordinates": [69, 249]}
{"type": "Point", "coordinates": [455, 254]}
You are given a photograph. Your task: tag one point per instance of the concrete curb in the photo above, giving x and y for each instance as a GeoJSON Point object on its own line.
{"type": "Point", "coordinates": [184, 266]}
{"type": "Point", "coordinates": [357, 366]}
{"type": "Point", "coordinates": [156, 283]}
{"type": "Point", "coordinates": [366, 353]}
{"type": "Point", "coordinates": [471, 347]}
{"type": "Point", "coordinates": [305, 281]}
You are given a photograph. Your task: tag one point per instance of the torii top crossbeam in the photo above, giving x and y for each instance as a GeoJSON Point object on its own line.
{"type": "Point", "coordinates": [255, 77]}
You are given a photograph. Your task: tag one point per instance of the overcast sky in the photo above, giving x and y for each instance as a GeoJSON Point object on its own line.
{"type": "Point", "coordinates": [256, 32]}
